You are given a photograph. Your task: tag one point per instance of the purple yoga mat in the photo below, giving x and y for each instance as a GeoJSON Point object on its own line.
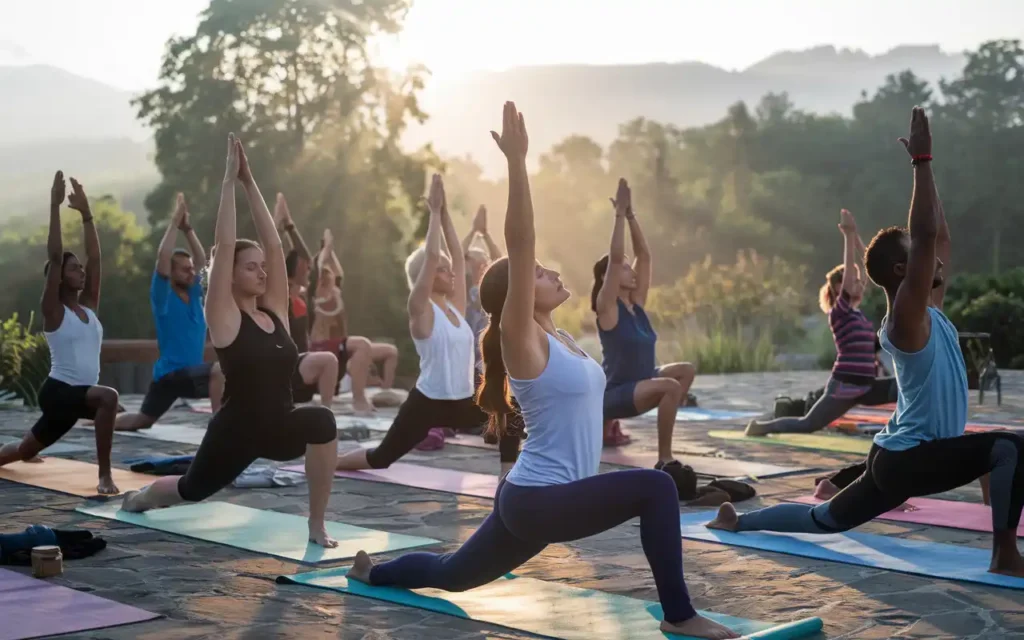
{"type": "Point", "coordinates": [953, 514]}
{"type": "Point", "coordinates": [31, 608]}
{"type": "Point", "coordinates": [478, 485]}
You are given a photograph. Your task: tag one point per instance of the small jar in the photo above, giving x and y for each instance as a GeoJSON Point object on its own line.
{"type": "Point", "coordinates": [47, 562]}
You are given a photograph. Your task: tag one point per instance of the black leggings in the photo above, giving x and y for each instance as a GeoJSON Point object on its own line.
{"type": "Point", "coordinates": [892, 477]}
{"type": "Point", "coordinates": [234, 440]}
{"type": "Point", "coordinates": [418, 414]}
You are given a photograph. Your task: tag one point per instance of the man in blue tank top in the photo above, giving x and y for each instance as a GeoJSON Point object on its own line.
{"type": "Point", "coordinates": [923, 449]}
{"type": "Point", "coordinates": [176, 297]}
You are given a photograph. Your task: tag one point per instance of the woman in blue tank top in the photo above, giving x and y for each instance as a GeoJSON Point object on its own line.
{"type": "Point", "coordinates": [635, 383]}
{"type": "Point", "coordinates": [553, 493]}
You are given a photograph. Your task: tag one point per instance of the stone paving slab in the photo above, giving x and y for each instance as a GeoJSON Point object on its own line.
{"type": "Point", "coordinates": [208, 591]}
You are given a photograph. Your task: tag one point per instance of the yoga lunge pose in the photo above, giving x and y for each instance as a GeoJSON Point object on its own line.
{"type": "Point", "coordinates": [443, 396]}
{"type": "Point", "coordinates": [329, 330]}
{"type": "Point", "coordinates": [853, 378]}
{"type": "Point", "coordinates": [635, 383]}
{"type": "Point", "coordinates": [553, 493]}
{"type": "Point", "coordinates": [176, 297]}
{"type": "Point", "coordinates": [71, 297]}
{"type": "Point", "coordinates": [247, 311]}
{"type": "Point", "coordinates": [923, 449]}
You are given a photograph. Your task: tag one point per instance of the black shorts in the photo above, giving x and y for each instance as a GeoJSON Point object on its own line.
{"type": "Point", "coordinates": [301, 392]}
{"type": "Point", "coordinates": [190, 382]}
{"type": "Point", "coordinates": [63, 405]}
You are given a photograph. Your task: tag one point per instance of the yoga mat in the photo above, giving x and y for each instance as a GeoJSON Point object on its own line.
{"type": "Point", "coordinates": [69, 476]}
{"type": "Point", "coordinates": [880, 418]}
{"type": "Point", "coordinates": [55, 449]}
{"type": "Point", "coordinates": [180, 433]}
{"type": "Point", "coordinates": [373, 423]}
{"type": "Point", "coordinates": [699, 414]}
{"type": "Point", "coordinates": [701, 465]}
{"type": "Point", "coordinates": [548, 609]}
{"type": "Point", "coordinates": [269, 532]}
{"type": "Point", "coordinates": [31, 608]}
{"type": "Point", "coordinates": [916, 557]}
{"type": "Point", "coordinates": [840, 444]}
{"type": "Point", "coordinates": [478, 485]}
{"type": "Point", "coordinates": [954, 514]}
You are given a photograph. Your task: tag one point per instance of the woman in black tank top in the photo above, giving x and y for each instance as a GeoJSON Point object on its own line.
{"type": "Point", "coordinates": [258, 357]}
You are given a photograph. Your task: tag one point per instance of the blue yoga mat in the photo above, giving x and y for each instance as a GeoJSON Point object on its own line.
{"type": "Point", "coordinates": [548, 609]}
{"type": "Point", "coordinates": [55, 449]}
{"type": "Point", "coordinates": [698, 414]}
{"type": "Point", "coordinates": [916, 557]}
{"type": "Point", "coordinates": [276, 534]}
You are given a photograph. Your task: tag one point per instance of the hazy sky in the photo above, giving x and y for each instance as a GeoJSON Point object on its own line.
{"type": "Point", "coordinates": [120, 42]}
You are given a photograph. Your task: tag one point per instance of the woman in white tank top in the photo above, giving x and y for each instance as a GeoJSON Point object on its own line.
{"type": "Point", "coordinates": [554, 493]}
{"type": "Point", "coordinates": [74, 334]}
{"type": "Point", "coordinates": [443, 396]}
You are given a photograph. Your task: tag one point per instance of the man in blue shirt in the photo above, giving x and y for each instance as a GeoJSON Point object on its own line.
{"type": "Point", "coordinates": [176, 297]}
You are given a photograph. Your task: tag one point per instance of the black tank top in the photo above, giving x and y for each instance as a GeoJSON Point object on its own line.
{"type": "Point", "coordinates": [258, 367]}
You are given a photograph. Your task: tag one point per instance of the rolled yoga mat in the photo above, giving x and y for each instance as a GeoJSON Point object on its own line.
{"type": "Point", "coordinates": [269, 532]}
{"type": "Point", "coordinates": [549, 609]}
{"type": "Point", "coordinates": [839, 444]}
{"type": "Point", "coordinates": [69, 476]}
{"type": "Point", "coordinates": [701, 465]}
{"type": "Point", "coordinates": [31, 608]}
{"type": "Point", "coordinates": [953, 514]}
{"type": "Point", "coordinates": [916, 557]}
{"type": "Point", "coordinates": [478, 485]}
{"type": "Point", "coordinates": [55, 449]}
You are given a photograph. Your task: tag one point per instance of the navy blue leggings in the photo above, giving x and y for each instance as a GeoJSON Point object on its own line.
{"type": "Point", "coordinates": [527, 519]}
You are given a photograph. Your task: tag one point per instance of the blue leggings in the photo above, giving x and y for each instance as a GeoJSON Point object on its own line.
{"type": "Point", "coordinates": [527, 519]}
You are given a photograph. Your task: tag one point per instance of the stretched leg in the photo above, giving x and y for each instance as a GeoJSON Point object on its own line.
{"type": "Point", "coordinates": [159, 398]}
{"type": "Point", "coordinates": [825, 410]}
{"type": "Point", "coordinates": [415, 418]}
{"type": "Point", "coordinates": [683, 373]}
{"type": "Point", "coordinates": [665, 394]}
{"type": "Point", "coordinates": [27, 450]}
{"type": "Point", "coordinates": [103, 402]}
{"type": "Point", "coordinates": [387, 354]}
{"type": "Point", "coordinates": [359, 361]}
{"type": "Point", "coordinates": [320, 369]}
{"type": "Point", "coordinates": [313, 431]}
{"type": "Point", "coordinates": [1006, 482]}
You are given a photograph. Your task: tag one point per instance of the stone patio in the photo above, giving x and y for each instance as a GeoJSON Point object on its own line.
{"type": "Point", "coordinates": [211, 591]}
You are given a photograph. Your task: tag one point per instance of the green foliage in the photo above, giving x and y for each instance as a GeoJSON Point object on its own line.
{"type": "Point", "coordinates": [24, 360]}
{"type": "Point", "coordinates": [719, 348]}
{"type": "Point", "coordinates": [1000, 315]}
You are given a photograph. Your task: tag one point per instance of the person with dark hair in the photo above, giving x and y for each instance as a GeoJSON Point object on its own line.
{"type": "Point", "coordinates": [635, 383]}
{"type": "Point", "coordinates": [443, 395]}
{"type": "Point", "coordinates": [176, 297]}
{"type": "Point", "coordinates": [553, 493]}
{"type": "Point", "coordinates": [923, 449]}
{"type": "Point", "coordinates": [247, 312]}
{"type": "Point", "coordinates": [853, 381]}
{"type": "Point", "coordinates": [71, 298]}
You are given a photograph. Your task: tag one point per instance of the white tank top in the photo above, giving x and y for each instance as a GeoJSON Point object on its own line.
{"type": "Point", "coordinates": [75, 349]}
{"type": "Point", "coordinates": [446, 358]}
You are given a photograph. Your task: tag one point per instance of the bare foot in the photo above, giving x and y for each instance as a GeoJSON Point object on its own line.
{"type": "Point", "coordinates": [1006, 559]}
{"type": "Point", "coordinates": [106, 486]}
{"type": "Point", "coordinates": [1007, 569]}
{"type": "Point", "coordinates": [34, 460]}
{"type": "Point", "coordinates": [318, 535]}
{"type": "Point", "coordinates": [131, 503]}
{"type": "Point", "coordinates": [699, 627]}
{"type": "Point", "coordinates": [360, 571]}
{"type": "Point", "coordinates": [825, 490]}
{"type": "Point", "coordinates": [754, 428]}
{"type": "Point", "coordinates": [363, 409]}
{"type": "Point", "coordinates": [726, 520]}
{"type": "Point", "coordinates": [906, 507]}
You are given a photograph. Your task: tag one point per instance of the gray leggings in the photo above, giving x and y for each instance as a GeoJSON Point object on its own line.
{"type": "Point", "coordinates": [829, 407]}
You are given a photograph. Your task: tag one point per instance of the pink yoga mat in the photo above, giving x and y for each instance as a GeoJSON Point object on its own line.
{"type": "Point", "coordinates": [31, 608]}
{"type": "Point", "coordinates": [463, 483]}
{"type": "Point", "coordinates": [953, 514]}
{"type": "Point", "coordinates": [864, 414]}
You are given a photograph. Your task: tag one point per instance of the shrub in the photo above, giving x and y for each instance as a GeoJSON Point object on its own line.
{"type": "Point", "coordinates": [24, 360]}
{"type": "Point", "coordinates": [719, 349]}
{"type": "Point", "coordinates": [997, 314]}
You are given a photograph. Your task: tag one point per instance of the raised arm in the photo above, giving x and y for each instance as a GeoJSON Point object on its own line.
{"type": "Point", "coordinates": [642, 263]}
{"type": "Point", "coordinates": [848, 227]}
{"type": "Point", "coordinates": [165, 251]}
{"type": "Point", "coordinates": [196, 247]}
{"type": "Point", "coordinates": [607, 306]}
{"type": "Point", "coordinates": [943, 248]}
{"type": "Point", "coordinates": [52, 307]}
{"type": "Point", "coordinates": [523, 344]}
{"type": "Point", "coordinates": [480, 224]}
{"type": "Point", "coordinates": [284, 216]}
{"type": "Point", "coordinates": [78, 201]}
{"type": "Point", "coordinates": [276, 296]}
{"type": "Point", "coordinates": [458, 257]}
{"type": "Point", "coordinates": [421, 319]}
{"type": "Point", "coordinates": [910, 324]}
{"type": "Point", "coordinates": [222, 314]}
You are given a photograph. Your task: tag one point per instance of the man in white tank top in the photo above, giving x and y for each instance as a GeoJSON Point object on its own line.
{"type": "Point", "coordinates": [74, 334]}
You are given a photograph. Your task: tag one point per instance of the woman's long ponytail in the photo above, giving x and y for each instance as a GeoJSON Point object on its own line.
{"type": "Point", "coordinates": [493, 394]}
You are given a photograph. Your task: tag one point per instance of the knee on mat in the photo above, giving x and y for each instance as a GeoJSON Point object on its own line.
{"type": "Point", "coordinates": [320, 426]}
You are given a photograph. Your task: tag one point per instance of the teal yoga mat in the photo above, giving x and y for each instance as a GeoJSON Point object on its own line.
{"type": "Point", "coordinates": [276, 534]}
{"type": "Point", "coordinates": [916, 557]}
{"type": "Point", "coordinates": [55, 449]}
{"type": "Point", "coordinates": [548, 609]}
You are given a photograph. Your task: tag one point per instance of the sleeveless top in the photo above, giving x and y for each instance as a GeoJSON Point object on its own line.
{"type": "Point", "coordinates": [854, 336]}
{"type": "Point", "coordinates": [629, 347]}
{"type": "Point", "coordinates": [75, 349]}
{"type": "Point", "coordinates": [563, 412]}
{"type": "Point", "coordinates": [258, 368]}
{"type": "Point", "coordinates": [932, 402]}
{"type": "Point", "coordinates": [446, 358]}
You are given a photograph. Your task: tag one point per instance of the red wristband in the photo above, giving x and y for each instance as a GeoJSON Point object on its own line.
{"type": "Point", "coordinates": [924, 157]}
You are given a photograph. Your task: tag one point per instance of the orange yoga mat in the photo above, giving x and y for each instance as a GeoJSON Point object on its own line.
{"type": "Point", "coordinates": [70, 476]}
